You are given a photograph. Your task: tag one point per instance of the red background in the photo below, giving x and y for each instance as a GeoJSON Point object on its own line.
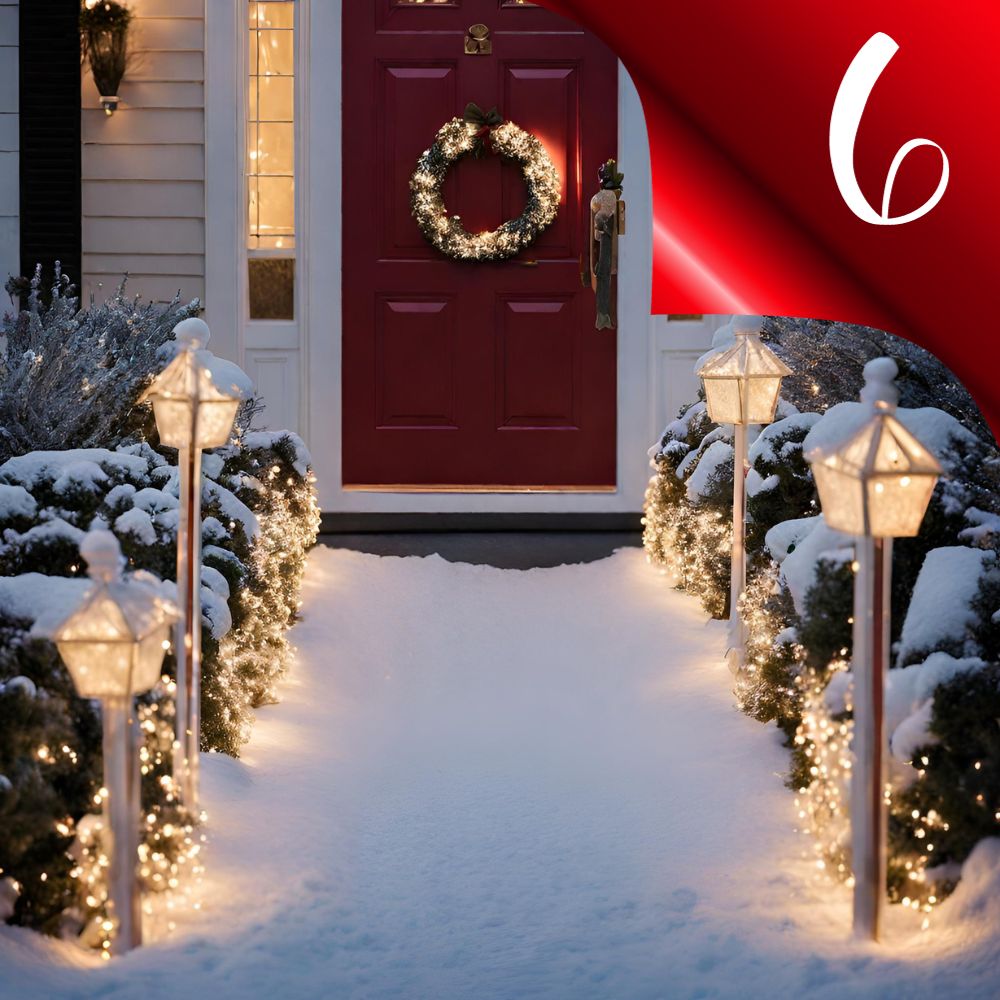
{"type": "Point", "coordinates": [747, 215]}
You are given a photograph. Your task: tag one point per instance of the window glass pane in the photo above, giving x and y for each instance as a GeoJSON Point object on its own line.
{"type": "Point", "coordinates": [275, 15]}
{"type": "Point", "coordinates": [277, 99]}
{"type": "Point", "coordinates": [275, 53]}
{"type": "Point", "coordinates": [272, 287]}
{"type": "Point", "coordinates": [276, 206]}
{"type": "Point", "coordinates": [270, 142]}
{"type": "Point", "coordinates": [275, 148]}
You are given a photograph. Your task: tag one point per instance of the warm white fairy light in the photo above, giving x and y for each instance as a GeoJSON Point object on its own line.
{"type": "Point", "coordinates": [456, 139]}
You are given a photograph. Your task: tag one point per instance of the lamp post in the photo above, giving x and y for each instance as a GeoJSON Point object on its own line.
{"type": "Point", "coordinates": [192, 413]}
{"type": "Point", "coordinates": [874, 484]}
{"type": "Point", "coordinates": [742, 384]}
{"type": "Point", "coordinates": [113, 646]}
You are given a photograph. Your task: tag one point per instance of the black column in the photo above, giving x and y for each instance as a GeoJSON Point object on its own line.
{"type": "Point", "coordinates": [50, 137]}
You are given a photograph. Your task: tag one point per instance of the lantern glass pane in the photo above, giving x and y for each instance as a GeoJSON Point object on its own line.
{"type": "Point", "coordinates": [215, 422]}
{"type": "Point", "coordinates": [173, 421]}
{"type": "Point", "coordinates": [722, 396]}
{"type": "Point", "coordinates": [99, 669]}
{"type": "Point", "coordinates": [149, 660]}
{"type": "Point", "coordinates": [762, 399]}
{"type": "Point", "coordinates": [897, 504]}
{"type": "Point", "coordinates": [842, 498]}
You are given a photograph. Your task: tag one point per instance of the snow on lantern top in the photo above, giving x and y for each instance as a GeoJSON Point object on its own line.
{"type": "Point", "coordinates": [878, 480]}
{"type": "Point", "coordinates": [113, 642]}
{"type": "Point", "coordinates": [191, 410]}
{"type": "Point", "coordinates": [742, 381]}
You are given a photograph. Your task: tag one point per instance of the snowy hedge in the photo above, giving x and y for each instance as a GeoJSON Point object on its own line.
{"type": "Point", "coordinates": [942, 698]}
{"type": "Point", "coordinates": [70, 381]}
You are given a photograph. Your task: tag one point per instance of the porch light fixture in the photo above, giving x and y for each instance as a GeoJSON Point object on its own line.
{"type": "Point", "coordinates": [874, 484]}
{"type": "Point", "coordinates": [192, 413]}
{"type": "Point", "coordinates": [742, 384]}
{"type": "Point", "coordinates": [113, 646]}
{"type": "Point", "coordinates": [104, 26]}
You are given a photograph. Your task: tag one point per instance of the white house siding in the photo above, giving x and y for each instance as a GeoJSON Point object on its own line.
{"type": "Point", "coordinates": [9, 183]}
{"type": "Point", "coordinates": [144, 167]}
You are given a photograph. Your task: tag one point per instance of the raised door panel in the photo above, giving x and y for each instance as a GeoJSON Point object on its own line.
{"type": "Point", "coordinates": [415, 363]}
{"type": "Point", "coordinates": [537, 364]}
{"type": "Point", "coordinates": [414, 101]}
{"type": "Point", "coordinates": [547, 97]}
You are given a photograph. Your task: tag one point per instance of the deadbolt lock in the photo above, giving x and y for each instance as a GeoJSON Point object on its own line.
{"type": "Point", "coordinates": [477, 41]}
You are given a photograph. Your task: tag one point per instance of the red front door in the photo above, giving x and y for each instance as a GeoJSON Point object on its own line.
{"type": "Point", "coordinates": [461, 374]}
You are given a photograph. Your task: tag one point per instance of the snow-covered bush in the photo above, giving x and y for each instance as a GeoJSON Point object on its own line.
{"type": "Point", "coordinates": [79, 448]}
{"type": "Point", "coordinates": [798, 601]}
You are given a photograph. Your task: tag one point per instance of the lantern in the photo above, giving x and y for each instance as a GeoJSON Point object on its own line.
{"type": "Point", "coordinates": [879, 479]}
{"type": "Point", "coordinates": [875, 483]}
{"type": "Point", "coordinates": [192, 412]}
{"type": "Point", "coordinates": [113, 646]}
{"type": "Point", "coordinates": [742, 384]}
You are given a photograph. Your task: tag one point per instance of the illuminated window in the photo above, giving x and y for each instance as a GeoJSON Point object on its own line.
{"type": "Point", "coordinates": [270, 166]}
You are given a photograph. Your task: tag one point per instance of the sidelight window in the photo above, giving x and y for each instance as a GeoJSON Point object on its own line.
{"type": "Point", "coordinates": [270, 159]}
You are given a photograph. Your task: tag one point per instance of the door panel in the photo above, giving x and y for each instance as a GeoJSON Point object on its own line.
{"type": "Point", "coordinates": [480, 375]}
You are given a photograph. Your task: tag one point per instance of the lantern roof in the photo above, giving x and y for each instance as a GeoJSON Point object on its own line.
{"type": "Point", "coordinates": [189, 376]}
{"type": "Point", "coordinates": [748, 357]}
{"type": "Point", "coordinates": [115, 608]}
{"type": "Point", "coordinates": [881, 445]}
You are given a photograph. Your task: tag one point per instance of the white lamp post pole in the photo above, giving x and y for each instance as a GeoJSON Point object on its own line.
{"type": "Point", "coordinates": [742, 384]}
{"type": "Point", "coordinates": [874, 484]}
{"type": "Point", "coordinates": [738, 568]}
{"type": "Point", "coordinates": [192, 413]}
{"type": "Point", "coordinates": [113, 646]}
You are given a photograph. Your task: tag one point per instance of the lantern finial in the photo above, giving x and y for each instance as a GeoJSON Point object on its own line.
{"type": "Point", "coordinates": [747, 326]}
{"type": "Point", "coordinates": [880, 387]}
{"type": "Point", "coordinates": [192, 333]}
{"type": "Point", "coordinates": [103, 554]}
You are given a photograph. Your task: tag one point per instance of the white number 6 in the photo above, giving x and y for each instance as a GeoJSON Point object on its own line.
{"type": "Point", "coordinates": [855, 89]}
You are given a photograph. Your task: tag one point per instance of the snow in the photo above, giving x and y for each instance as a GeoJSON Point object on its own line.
{"type": "Point", "coordinates": [799, 545]}
{"type": "Point", "coordinates": [16, 501]}
{"type": "Point", "coordinates": [53, 530]}
{"type": "Point", "coordinates": [757, 484]}
{"type": "Point", "coordinates": [983, 525]}
{"type": "Point", "coordinates": [137, 523]}
{"type": "Point", "coordinates": [498, 784]}
{"type": "Point", "coordinates": [75, 465]}
{"type": "Point", "coordinates": [32, 595]}
{"type": "Point", "coordinates": [940, 611]}
{"type": "Point", "coordinates": [268, 439]}
{"type": "Point", "coordinates": [715, 456]}
{"type": "Point", "coordinates": [763, 447]}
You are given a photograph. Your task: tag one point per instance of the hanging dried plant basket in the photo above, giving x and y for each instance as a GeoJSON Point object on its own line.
{"type": "Point", "coordinates": [104, 27]}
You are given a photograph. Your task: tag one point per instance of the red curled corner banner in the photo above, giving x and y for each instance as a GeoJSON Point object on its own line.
{"type": "Point", "coordinates": [833, 161]}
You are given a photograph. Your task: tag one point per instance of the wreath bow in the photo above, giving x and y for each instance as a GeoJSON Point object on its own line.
{"type": "Point", "coordinates": [486, 120]}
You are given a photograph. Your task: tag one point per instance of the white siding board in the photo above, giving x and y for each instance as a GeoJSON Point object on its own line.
{"type": "Point", "coordinates": [182, 162]}
{"type": "Point", "coordinates": [169, 66]}
{"type": "Point", "coordinates": [182, 265]}
{"type": "Point", "coordinates": [150, 94]}
{"type": "Point", "coordinates": [8, 24]}
{"type": "Point", "coordinates": [145, 199]}
{"type": "Point", "coordinates": [169, 34]}
{"type": "Point", "coordinates": [129, 236]}
{"type": "Point", "coordinates": [8, 77]}
{"type": "Point", "coordinates": [128, 126]}
{"type": "Point", "coordinates": [10, 140]}
{"type": "Point", "coordinates": [10, 185]}
{"type": "Point", "coordinates": [144, 166]}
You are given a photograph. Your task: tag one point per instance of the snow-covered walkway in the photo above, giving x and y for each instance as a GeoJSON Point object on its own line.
{"type": "Point", "coordinates": [488, 783]}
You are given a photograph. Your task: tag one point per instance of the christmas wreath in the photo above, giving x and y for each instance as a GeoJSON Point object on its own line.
{"type": "Point", "coordinates": [477, 132]}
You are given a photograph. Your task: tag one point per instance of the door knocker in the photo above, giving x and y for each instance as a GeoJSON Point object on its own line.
{"type": "Point", "coordinates": [607, 223]}
{"type": "Point", "coordinates": [477, 41]}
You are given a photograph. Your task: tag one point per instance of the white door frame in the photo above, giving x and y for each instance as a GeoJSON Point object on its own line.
{"type": "Point", "coordinates": [302, 367]}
